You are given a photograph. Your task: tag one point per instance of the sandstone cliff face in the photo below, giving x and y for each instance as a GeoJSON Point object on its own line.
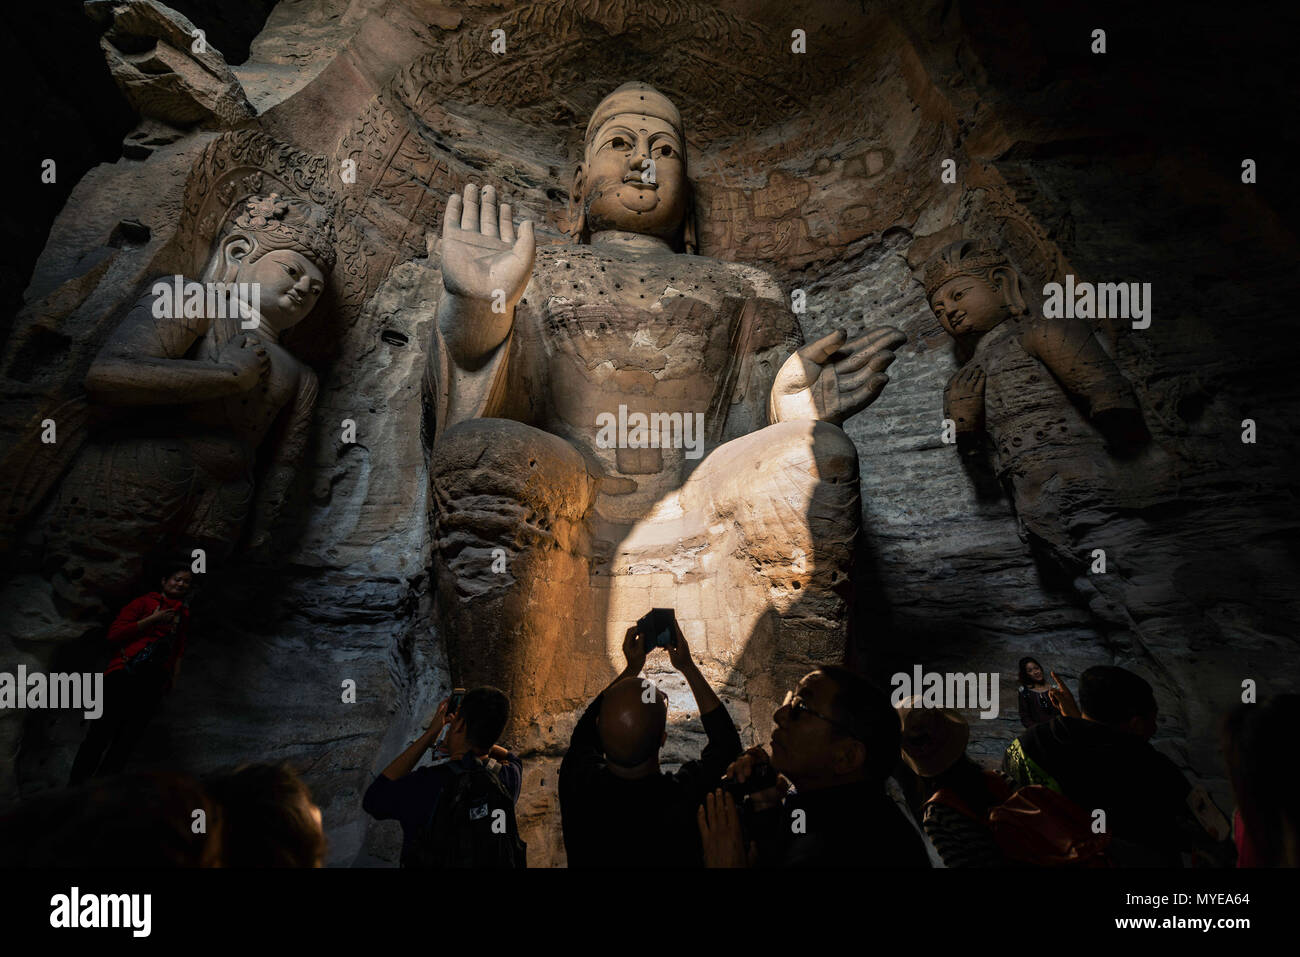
{"type": "Point", "coordinates": [822, 168]}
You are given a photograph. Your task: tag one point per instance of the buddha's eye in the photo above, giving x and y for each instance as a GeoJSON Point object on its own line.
{"type": "Point", "coordinates": [958, 294]}
{"type": "Point", "coordinates": [618, 143]}
{"type": "Point", "coordinates": [665, 150]}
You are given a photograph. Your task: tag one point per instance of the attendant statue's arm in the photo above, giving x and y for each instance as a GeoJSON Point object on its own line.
{"type": "Point", "coordinates": [1070, 350]}
{"type": "Point", "coordinates": [485, 268]}
{"type": "Point", "coordinates": [963, 403]}
{"type": "Point", "coordinates": [812, 386]}
{"type": "Point", "coordinates": [142, 364]}
{"type": "Point", "coordinates": [287, 445]}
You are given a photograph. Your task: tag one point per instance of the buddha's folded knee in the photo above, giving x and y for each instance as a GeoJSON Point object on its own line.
{"type": "Point", "coordinates": [482, 459]}
{"type": "Point", "coordinates": [791, 492]}
{"type": "Point", "coordinates": [787, 465]}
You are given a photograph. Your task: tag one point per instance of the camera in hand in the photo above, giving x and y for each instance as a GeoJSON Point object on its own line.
{"type": "Point", "coordinates": [656, 627]}
{"type": "Point", "coordinates": [457, 696]}
{"type": "Point", "coordinates": [762, 777]}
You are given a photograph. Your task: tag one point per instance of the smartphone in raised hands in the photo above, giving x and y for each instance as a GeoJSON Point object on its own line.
{"type": "Point", "coordinates": [656, 628]}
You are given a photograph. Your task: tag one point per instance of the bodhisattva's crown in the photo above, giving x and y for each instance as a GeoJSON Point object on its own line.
{"type": "Point", "coordinates": [293, 224]}
{"type": "Point", "coordinates": [967, 257]}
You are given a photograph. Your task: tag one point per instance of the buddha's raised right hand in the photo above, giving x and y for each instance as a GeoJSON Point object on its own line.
{"type": "Point", "coordinates": [482, 259]}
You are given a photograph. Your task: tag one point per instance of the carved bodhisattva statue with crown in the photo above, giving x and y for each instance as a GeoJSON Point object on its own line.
{"type": "Point", "coordinates": [623, 424]}
{"type": "Point", "coordinates": [1062, 423]}
{"type": "Point", "coordinates": [202, 413]}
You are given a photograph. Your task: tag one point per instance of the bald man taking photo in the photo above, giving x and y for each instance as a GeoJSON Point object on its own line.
{"type": "Point", "coordinates": [616, 807]}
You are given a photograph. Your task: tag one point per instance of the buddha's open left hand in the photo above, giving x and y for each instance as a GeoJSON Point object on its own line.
{"type": "Point", "coordinates": [831, 379]}
{"type": "Point", "coordinates": [482, 258]}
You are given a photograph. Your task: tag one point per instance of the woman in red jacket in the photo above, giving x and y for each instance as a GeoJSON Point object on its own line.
{"type": "Point", "coordinates": [150, 637]}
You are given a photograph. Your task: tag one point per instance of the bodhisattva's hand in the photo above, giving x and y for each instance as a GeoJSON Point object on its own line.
{"type": "Point", "coordinates": [964, 398]}
{"type": "Point", "coordinates": [811, 386]}
{"type": "Point", "coordinates": [482, 258]}
{"type": "Point", "coordinates": [249, 359]}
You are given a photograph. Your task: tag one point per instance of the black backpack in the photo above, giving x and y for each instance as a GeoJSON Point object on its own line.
{"type": "Point", "coordinates": [472, 825]}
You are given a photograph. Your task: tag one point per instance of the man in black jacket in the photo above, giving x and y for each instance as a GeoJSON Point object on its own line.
{"type": "Point", "coordinates": [1101, 760]}
{"type": "Point", "coordinates": [835, 743]}
{"type": "Point", "coordinates": [617, 808]}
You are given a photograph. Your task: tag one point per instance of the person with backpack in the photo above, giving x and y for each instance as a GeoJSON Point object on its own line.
{"type": "Point", "coordinates": [458, 812]}
{"type": "Point", "coordinates": [955, 794]}
{"type": "Point", "coordinates": [150, 634]}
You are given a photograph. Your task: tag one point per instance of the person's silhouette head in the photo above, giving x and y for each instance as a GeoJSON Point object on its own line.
{"type": "Point", "coordinates": [479, 722]}
{"type": "Point", "coordinates": [835, 728]}
{"type": "Point", "coordinates": [632, 722]}
{"type": "Point", "coordinates": [1119, 699]}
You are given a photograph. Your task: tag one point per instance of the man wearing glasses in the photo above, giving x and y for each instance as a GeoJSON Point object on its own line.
{"type": "Point", "coordinates": [836, 741]}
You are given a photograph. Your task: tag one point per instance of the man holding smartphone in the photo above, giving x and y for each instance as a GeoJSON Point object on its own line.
{"type": "Point", "coordinates": [618, 809]}
{"type": "Point", "coordinates": [434, 832]}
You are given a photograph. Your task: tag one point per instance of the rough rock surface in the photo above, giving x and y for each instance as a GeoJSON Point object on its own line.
{"type": "Point", "coordinates": [822, 168]}
{"type": "Point", "coordinates": [165, 68]}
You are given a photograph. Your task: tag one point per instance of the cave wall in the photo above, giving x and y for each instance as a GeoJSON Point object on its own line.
{"type": "Point", "coordinates": [822, 168]}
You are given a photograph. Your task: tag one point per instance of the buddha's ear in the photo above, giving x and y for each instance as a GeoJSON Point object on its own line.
{"type": "Point", "coordinates": [577, 204]}
{"type": "Point", "coordinates": [1007, 281]}
{"type": "Point", "coordinates": [230, 255]}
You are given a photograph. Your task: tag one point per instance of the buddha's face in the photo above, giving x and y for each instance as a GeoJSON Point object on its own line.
{"type": "Point", "coordinates": [289, 282]}
{"type": "Point", "coordinates": [610, 181]}
{"type": "Point", "coordinates": [968, 307]}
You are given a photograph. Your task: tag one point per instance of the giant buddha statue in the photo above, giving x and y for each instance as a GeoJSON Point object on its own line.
{"type": "Point", "coordinates": [623, 424]}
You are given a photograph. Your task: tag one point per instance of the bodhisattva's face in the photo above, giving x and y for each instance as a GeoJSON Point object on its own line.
{"type": "Point", "coordinates": [969, 307]}
{"type": "Point", "coordinates": [610, 180]}
{"type": "Point", "coordinates": [290, 285]}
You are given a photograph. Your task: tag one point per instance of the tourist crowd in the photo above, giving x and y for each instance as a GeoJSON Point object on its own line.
{"type": "Point", "coordinates": [847, 780]}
